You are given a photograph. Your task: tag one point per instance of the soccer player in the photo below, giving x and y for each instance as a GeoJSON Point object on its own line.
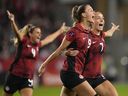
{"type": "Point", "coordinates": [92, 70]}
{"type": "Point", "coordinates": [21, 71]}
{"type": "Point", "coordinates": [78, 38]}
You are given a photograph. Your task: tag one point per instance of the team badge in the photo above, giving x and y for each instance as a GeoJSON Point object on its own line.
{"type": "Point", "coordinates": [71, 33]}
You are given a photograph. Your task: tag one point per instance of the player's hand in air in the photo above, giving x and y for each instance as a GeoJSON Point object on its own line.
{"type": "Point", "coordinates": [112, 30]}
{"type": "Point", "coordinates": [114, 27]}
{"type": "Point", "coordinates": [64, 28]}
{"type": "Point", "coordinates": [10, 16]}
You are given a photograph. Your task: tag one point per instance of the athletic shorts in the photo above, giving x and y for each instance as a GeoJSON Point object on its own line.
{"type": "Point", "coordinates": [14, 83]}
{"type": "Point", "coordinates": [71, 79]}
{"type": "Point", "coordinates": [94, 82]}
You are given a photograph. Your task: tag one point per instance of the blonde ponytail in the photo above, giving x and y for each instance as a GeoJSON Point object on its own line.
{"type": "Point", "coordinates": [22, 31]}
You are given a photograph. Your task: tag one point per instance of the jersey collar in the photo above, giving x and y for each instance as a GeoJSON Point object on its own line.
{"type": "Point", "coordinates": [79, 26]}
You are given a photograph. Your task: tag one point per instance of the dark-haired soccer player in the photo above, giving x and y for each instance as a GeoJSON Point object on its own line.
{"type": "Point", "coordinates": [77, 37]}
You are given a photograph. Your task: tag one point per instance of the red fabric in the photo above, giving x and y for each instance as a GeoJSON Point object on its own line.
{"type": "Point", "coordinates": [93, 67]}
{"type": "Point", "coordinates": [79, 38]}
{"type": "Point", "coordinates": [25, 65]}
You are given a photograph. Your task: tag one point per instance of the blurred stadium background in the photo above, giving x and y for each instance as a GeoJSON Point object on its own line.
{"type": "Point", "coordinates": [50, 14]}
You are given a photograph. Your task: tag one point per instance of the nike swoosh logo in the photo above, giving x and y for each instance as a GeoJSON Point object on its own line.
{"type": "Point", "coordinates": [29, 46]}
{"type": "Point", "coordinates": [93, 42]}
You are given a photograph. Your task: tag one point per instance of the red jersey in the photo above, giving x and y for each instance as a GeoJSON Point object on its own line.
{"type": "Point", "coordinates": [26, 57]}
{"type": "Point", "coordinates": [95, 56]}
{"type": "Point", "coordinates": [79, 39]}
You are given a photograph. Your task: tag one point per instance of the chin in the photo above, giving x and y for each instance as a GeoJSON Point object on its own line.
{"type": "Point", "coordinates": [91, 21]}
{"type": "Point", "coordinates": [37, 41]}
{"type": "Point", "coordinates": [99, 29]}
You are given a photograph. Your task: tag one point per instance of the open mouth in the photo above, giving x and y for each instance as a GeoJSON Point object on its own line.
{"type": "Point", "coordinates": [93, 16]}
{"type": "Point", "coordinates": [100, 24]}
{"type": "Point", "coordinates": [38, 38]}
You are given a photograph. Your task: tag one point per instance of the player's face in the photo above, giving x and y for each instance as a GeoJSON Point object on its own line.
{"type": "Point", "coordinates": [99, 21]}
{"type": "Point", "coordinates": [36, 35]}
{"type": "Point", "coordinates": [89, 13]}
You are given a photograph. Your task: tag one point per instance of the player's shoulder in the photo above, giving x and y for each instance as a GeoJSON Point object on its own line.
{"type": "Point", "coordinates": [72, 31]}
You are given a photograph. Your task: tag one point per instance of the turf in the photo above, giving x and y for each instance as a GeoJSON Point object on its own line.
{"type": "Point", "coordinates": [55, 91]}
{"type": "Point", "coordinates": [122, 89]}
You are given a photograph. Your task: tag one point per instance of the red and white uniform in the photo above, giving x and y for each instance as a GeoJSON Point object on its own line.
{"type": "Point", "coordinates": [26, 57]}
{"type": "Point", "coordinates": [95, 56]}
{"type": "Point", "coordinates": [80, 40]}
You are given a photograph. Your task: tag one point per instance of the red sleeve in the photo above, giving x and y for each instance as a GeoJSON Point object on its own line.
{"type": "Point", "coordinates": [71, 35]}
{"type": "Point", "coordinates": [24, 39]}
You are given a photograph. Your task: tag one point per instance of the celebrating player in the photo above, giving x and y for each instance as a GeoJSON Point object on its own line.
{"type": "Point", "coordinates": [92, 70]}
{"type": "Point", "coordinates": [21, 71]}
{"type": "Point", "coordinates": [78, 38]}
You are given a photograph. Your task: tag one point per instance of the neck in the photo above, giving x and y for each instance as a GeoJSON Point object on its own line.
{"type": "Point", "coordinates": [97, 32]}
{"type": "Point", "coordinates": [32, 41]}
{"type": "Point", "coordinates": [85, 24]}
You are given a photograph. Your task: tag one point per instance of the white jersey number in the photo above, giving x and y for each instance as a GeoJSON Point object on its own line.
{"type": "Point", "coordinates": [102, 46]}
{"type": "Point", "coordinates": [89, 43]}
{"type": "Point", "coordinates": [33, 52]}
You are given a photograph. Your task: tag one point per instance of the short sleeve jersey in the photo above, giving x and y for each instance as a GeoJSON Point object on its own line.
{"type": "Point", "coordinates": [79, 39]}
{"type": "Point", "coordinates": [26, 57]}
{"type": "Point", "coordinates": [94, 59]}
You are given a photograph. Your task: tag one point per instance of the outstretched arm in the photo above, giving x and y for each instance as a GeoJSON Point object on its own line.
{"type": "Point", "coordinates": [13, 24]}
{"type": "Point", "coordinates": [56, 53]}
{"type": "Point", "coordinates": [54, 35]}
{"type": "Point", "coordinates": [110, 32]}
{"type": "Point", "coordinates": [19, 33]}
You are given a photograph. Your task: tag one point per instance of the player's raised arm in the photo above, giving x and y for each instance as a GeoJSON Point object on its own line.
{"type": "Point", "coordinates": [14, 26]}
{"type": "Point", "coordinates": [54, 35]}
{"type": "Point", "coordinates": [56, 53]}
{"type": "Point", "coordinates": [110, 32]}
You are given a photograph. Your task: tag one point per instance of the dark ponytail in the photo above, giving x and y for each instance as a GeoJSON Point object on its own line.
{"type": "Point", "coordinates": [76, 13]}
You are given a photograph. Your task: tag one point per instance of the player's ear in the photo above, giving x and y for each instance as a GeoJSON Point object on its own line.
{"type": "Point", "coordinates": [83, 15]}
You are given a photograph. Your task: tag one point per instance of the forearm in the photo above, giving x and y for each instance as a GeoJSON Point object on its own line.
{"type": "Point", "coordinates": [58, 51]}
{"type": "Point", "coordinates": [51, 57]}
{"type": "Point", "coordinates": [109, 33]}
{"type": "Point", "coordinates": [54, 35]}
{"type": "Point", "coordinates": [15, 28]}
{"type": "Point", "coordinates": [50, 38]}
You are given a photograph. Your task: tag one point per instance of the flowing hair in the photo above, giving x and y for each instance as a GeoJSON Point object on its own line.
{"type": "Point", "coordinates": [77, 13]}
{"type": "Point", "coordinates": [23, 31]}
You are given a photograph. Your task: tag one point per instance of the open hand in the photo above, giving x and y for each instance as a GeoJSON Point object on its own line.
{"type": "Point", "coordinates": [115, 27]}
{"type": "Point", "coordinates": [64, 28]}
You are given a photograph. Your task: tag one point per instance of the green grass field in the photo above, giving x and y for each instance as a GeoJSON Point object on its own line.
{"type": "Point", "coordinates": [55, 91]}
